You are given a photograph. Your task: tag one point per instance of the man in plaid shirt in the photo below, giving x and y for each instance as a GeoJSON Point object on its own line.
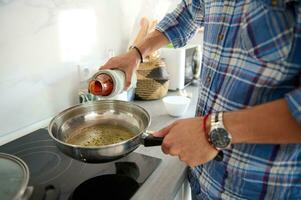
{"type": "Point", "coordinates": [251, 72]}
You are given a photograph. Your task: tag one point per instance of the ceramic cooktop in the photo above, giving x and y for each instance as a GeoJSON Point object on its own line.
{"type": "Point", "coordinates": [54, 175]}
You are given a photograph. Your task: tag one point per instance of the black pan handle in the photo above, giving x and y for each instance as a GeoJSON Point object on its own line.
{"type": "Point", "coordinates": [148, 140]}
{"type": "Point", "coordinates": [151, 140]}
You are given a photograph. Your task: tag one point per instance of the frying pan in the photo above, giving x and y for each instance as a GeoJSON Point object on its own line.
{"type": "Point", "coordinates": [107, 112]}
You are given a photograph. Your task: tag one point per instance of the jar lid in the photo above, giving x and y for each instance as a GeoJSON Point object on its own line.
{"type": "Point", "coordinates": [14, 175]}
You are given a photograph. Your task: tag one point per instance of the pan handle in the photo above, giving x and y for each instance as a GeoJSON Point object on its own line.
{"type": "Point", "coordinates": [148, 140]}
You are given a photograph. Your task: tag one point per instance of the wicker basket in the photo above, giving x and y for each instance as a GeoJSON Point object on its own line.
{"type": "Point", "coordinates": [152, 80]}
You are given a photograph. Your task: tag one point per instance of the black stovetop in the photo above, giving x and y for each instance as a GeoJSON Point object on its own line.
{"type": "Point", "coordinates": [57, 173]}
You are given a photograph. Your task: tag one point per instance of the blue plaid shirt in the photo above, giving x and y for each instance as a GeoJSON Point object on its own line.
{"type": "Point", "coordinates": [251, 55]}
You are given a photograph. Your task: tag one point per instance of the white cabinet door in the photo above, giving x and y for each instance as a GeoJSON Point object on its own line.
{"type": "Point", "coordinates": [184, 192]}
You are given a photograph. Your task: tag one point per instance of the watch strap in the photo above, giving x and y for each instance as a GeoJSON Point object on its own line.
{"type": "Point", "coordinates": [220, 155]}
{"type": "Point", "coordinates": [217, 119]}
{"type": "Point", "coordinates": [214, 118]}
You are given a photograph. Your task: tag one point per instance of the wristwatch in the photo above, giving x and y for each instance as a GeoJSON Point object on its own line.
{"type": "Point", "coordinates": [219, 137]}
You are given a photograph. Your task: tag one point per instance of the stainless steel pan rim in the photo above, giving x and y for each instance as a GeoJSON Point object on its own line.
{"type": "Point", "coordinates": [138, 135]}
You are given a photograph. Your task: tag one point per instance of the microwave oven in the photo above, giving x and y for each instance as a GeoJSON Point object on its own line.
{"type": "Point", "coordinates": [183, 65]}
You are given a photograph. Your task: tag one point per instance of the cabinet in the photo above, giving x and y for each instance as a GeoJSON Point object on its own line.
{"type": "Point", "coordinates": [184, 192]}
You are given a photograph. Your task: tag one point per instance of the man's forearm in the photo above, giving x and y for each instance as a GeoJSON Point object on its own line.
{"type": "Point", "coordinates": [269, 123]}
{"type": "Point", "coordinates": [152, 42]}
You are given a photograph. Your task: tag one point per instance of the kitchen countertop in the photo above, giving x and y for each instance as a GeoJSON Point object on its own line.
{"type": "Point", "coordinates": [167, 179]}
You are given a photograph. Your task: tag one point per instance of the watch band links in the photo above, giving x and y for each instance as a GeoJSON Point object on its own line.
{"type": "Point", "coordinates": [217, 119]}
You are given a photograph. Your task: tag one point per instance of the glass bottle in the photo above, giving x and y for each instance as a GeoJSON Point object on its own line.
{"type": "Point", "coordinates": [109, 83]}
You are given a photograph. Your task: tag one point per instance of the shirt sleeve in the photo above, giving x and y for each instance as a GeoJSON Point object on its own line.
{"type": "Point", "coordinates": [181, 24]}
{"type": "Point", "coordinates": [294, 98]}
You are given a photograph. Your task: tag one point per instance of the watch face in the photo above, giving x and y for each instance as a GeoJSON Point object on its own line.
{"type": "Point", "coordinates": [220, 138]}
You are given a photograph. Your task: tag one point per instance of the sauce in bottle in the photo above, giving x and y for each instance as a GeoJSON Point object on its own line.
{"type": "Point", "coordinates": [109, 83]}
{"type": "Point", "coordinates": [102, 85]}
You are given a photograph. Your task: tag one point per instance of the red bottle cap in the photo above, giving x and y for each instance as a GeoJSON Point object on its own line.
{"type": "Point", "coordinates": [102, 85]}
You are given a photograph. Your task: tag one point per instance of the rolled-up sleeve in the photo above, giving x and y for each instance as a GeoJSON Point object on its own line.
{"type": "Point", "coordinates": [293, 98]}
{"type": "Point", "coordinates": [181, 24]}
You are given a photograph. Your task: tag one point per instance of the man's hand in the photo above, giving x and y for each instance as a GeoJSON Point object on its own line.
{"type": "Point", "coordinates": [127, 63]}
{"type": "Point", "coordinates": [186, 139]}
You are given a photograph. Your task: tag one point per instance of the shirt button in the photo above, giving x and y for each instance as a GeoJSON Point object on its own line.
{"type": "Point", "coordinates": [220, 37]}
{"type": "Point", "coordinates": [208, 80]}
{"type": "Point", "coordinates": [223, 18]}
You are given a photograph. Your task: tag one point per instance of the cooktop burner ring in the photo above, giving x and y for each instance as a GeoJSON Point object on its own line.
{"type": "Point", "coordinates": [39, 150]}
{"type": "Point", "coordinates": [108, 186]}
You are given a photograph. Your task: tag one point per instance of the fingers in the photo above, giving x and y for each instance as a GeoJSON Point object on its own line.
{"type": "Point", "coordinates": [128, 78]}
{"type": "Point", "coordinates": [175, 150]}
{"type": "Point", "coordinates": [169, 147]}
{"type": "Point", "coordinates": [115, 63]}
{"type": "Point", "coordinates": [184, 139]}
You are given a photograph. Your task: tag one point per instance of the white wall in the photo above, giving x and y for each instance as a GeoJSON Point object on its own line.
{"type": "Point", "coordinates": [43, 41]}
